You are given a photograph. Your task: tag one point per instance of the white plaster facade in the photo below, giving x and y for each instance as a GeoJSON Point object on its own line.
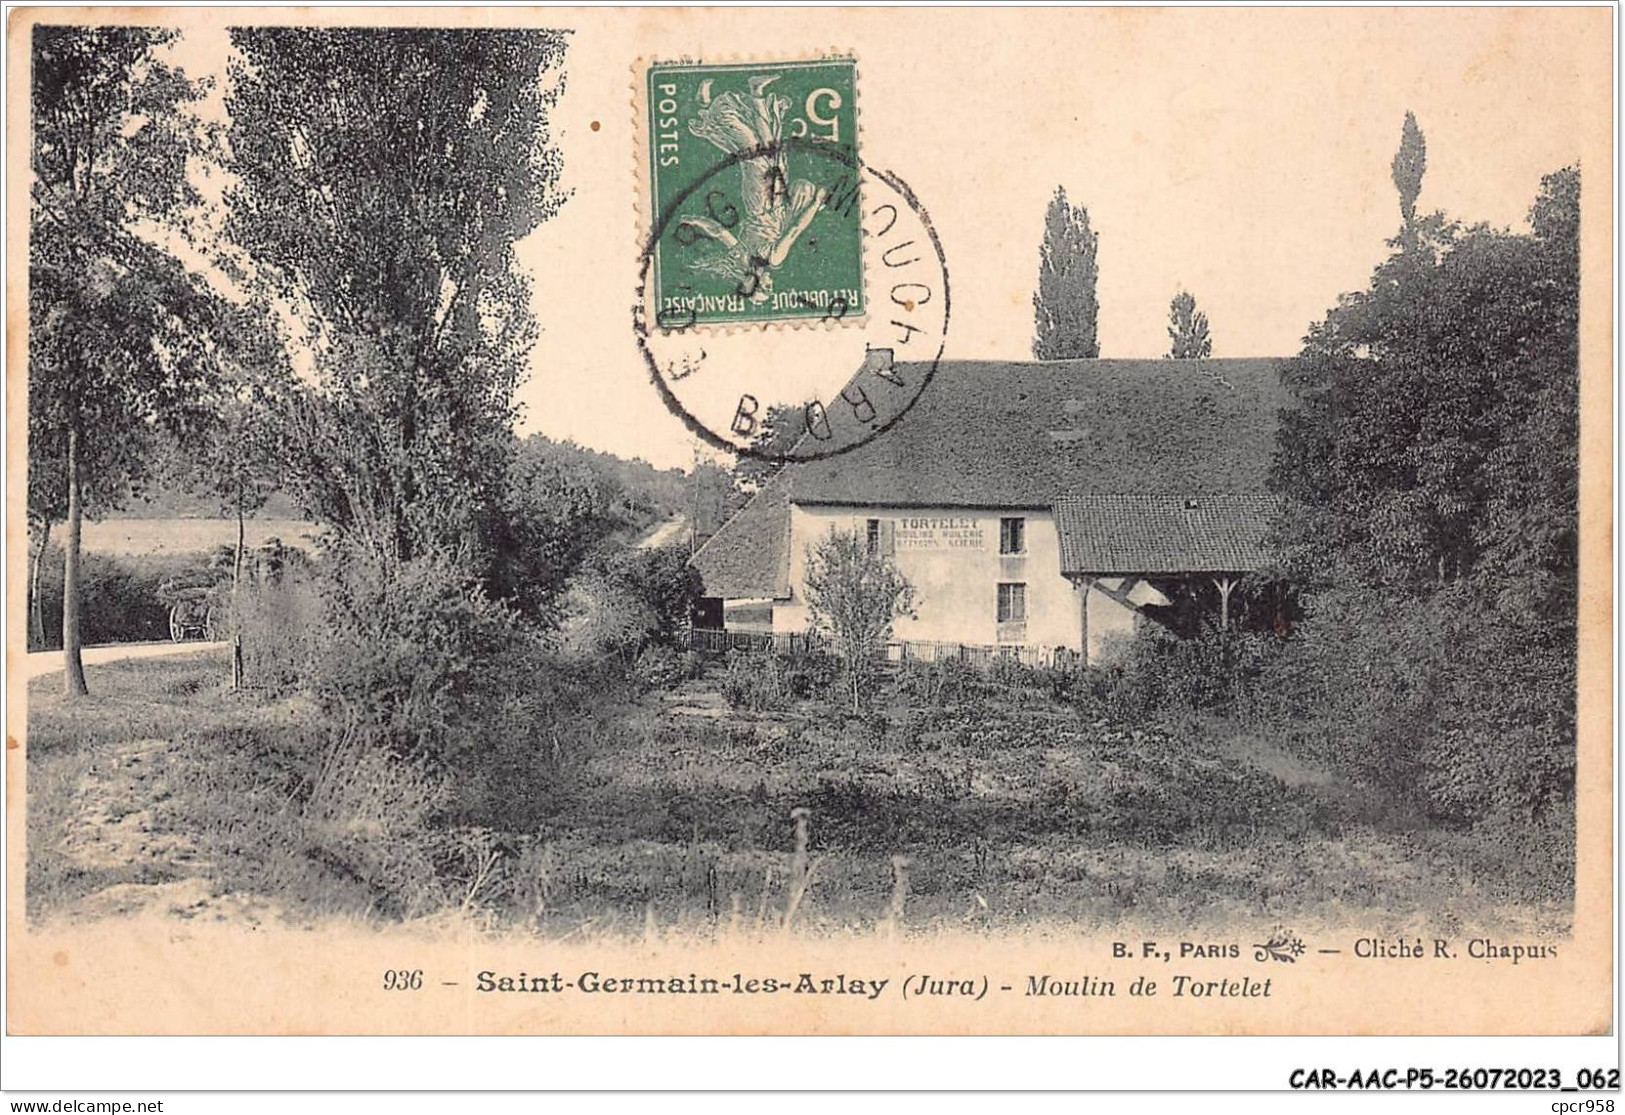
{"type": "Point", "coordinates": [951, 557]}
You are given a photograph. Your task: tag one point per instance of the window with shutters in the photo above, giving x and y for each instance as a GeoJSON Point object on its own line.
{"type": "Point", "coordinates": [1012, 536]}
{"type": "Point", "coordinates": [1012, 603]}
{"type": "Point", "coordinates": [880, 537]}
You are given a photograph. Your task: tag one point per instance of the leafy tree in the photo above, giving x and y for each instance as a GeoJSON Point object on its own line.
{"type": "Point", "coordinates": [645, 494]}
{"type": "Point", "coordinates": [1187, 329]}
{"type": "Point", "coordinates": [644, 595]}
{"type": "Point", "coordinates": [663, 582]}
{"type": "Point", "coordinates": [119, 330]}
{"type": "Point", "coordinates": [1431, 469]}
{"type": "Point", "coordinates": [778, 433]}
{"type": "Point", "coordinates": [383, 177]}
{"type": "Point", "coordinates": [555, 511]}
{"type": "Point", "coordinates": [1065, 305]}
{"type": "Point", "coordinates": [854, 596]}
{"type": "Point", "coordinates": [1412, 395]}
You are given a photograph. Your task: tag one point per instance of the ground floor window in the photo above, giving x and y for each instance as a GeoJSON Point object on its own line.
{"type": "Point", "coordinates": [872, 536]}
{"type": "Point", "coordinates": [1012, 603]}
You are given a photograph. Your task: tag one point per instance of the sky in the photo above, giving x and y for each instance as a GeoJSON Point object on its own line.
{"type": "Point", "coordinates": [1240, 154]}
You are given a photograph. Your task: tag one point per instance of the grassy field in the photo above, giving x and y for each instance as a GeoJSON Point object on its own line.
{"type": "Point", "coordinates": [166, 791]}
{"type": "Point", "coordinates": [188, 535]}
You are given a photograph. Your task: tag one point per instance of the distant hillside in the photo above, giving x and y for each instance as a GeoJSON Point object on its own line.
{"type": "Point", "coordinates": [640, 494]}
{"type": "Point", "coordinates": [648, 491]}
{"type": "Point", "coordinates": [169, 501]}
{"type": "Point", "coordinates": [644, 494]}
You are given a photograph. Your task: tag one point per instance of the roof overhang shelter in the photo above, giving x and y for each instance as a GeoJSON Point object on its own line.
{"type": "Point", "coordinates": [1217, 536]}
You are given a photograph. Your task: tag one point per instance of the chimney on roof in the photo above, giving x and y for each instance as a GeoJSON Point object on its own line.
{"type": "Point", "coordinates": [877, 360]}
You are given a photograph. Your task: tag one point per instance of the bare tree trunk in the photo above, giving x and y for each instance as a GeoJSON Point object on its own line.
{"type": "Point", "coordinates": [36, 600]}
{"type": "Point", "coordinates": [73, 665]}
{"type": "Point", "coordinates": [236, 585]}
{"type": "Point", "coordinates": [694, 521]}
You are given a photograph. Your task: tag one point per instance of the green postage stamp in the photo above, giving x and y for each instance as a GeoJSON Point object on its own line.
{"type": "Point", "coordinates": [754, 185]}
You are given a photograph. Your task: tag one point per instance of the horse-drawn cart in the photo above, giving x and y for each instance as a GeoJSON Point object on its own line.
{"type": "Point", "coordinates": [192, 608]}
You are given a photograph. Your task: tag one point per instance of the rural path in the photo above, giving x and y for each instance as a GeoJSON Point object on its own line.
{"type": "Point", "coordinates": [50, 661]}
{"type": "Point", "coordinates": [116, 828]}
{"type": "Point", "coordinates": [125, 832]}
{"type": "Point", "coordinates": [663, 533]}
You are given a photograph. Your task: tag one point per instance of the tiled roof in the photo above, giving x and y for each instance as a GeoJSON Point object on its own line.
{"type": "Point", "coordinates": [1025, 435]}
{"type": "Point", "coordinates": [1213, 532]}
{"type": "Point", "coordinates": [992, 434]}
{"type": "Point", "coordinates": [749, 558]}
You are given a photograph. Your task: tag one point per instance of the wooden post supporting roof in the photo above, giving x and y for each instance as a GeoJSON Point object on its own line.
{"type": "Point", "coordinates": [1225, 585]}
{"type": "Point", "coordinates": [1083, 584]}
{"type": "Point", "coordinates": [1120, 594]}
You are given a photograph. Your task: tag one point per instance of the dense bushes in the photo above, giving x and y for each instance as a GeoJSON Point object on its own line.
{"type": "Point", "coordinates": [409, 651]}
{"type": "Point", "coordinates": [658, 584]}
{"type": "Point", "coordinates": [1502, 740]}
{"type": "Point", "coordinates": [1438, 701]}
{"type": "Point", "coordinates": [280, 620]}
{"type": "Point", "coordinates": [1429, 469]}
{"type": "Point", "coordinates": [124, 599]}
{"type": "Point", "coordinates": [935, 684]}
{"type": "Point", "coordinates": [758, 681]}
{"type": "Point", "coordinates": [1443, 700]}
{"type": "Point", "coordinates": [636, 598]}
{"type": "Point", "coordinates": [1157, 672]}
{"type": "Point", "coordinates": [466, 707]}
{"type": "Point", "coordinates": [755, 682]}
{"type": "Point", "coordinates": [659, 666]}
{"type": "Point", "coordinates": [421, 675]}
{"type": "Point", "coordinates": [398, 649]}
{"type": "Point", "coordinates": [1167, 786]}
{"type": "Point", "coordinates": [121, 602]}
{"type": "Point", "coordinates": [950, 681]}
{"type": "Point", "coordinates": [519, 736]}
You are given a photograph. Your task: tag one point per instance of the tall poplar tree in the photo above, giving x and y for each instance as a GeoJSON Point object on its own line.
{"type": "Point", "coordinates": [1187, 329]}
{"type": "Point", "coordinates": [119, 336]}
{"type": "Point", "coordinates": [1410, 163]}
{"type": "Point", "coordinates": [1065, 306]}
{"type": "Point", "coordinates": [384, 176]}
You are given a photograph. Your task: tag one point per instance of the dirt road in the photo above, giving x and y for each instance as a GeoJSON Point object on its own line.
{"type": "Point", "coordinates": [50, 661]}
{"type": "Point", "coordinates": [663, 533]}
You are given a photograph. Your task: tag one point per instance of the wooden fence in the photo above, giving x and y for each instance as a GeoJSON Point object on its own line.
{"type": "Point", "coordinates": [791, 644]}
{"type": "Point", "coordinates": [981, 655]}
{"type": "Point", "coordinates": [795, 644]}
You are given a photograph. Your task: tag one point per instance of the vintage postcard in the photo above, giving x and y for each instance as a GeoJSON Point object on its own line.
{"type": "Point", "coordinates": [685, 521]}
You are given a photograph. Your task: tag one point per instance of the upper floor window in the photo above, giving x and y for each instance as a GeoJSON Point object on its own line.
{"type": "Point", "coordinates": [872, 536]}
{"type": "Point", "coordinates": [1012, 536]}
